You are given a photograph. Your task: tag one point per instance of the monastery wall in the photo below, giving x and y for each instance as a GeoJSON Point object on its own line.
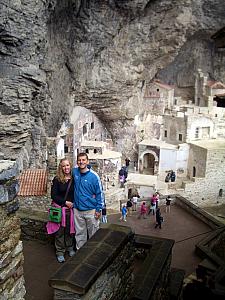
{"type": "Point", "coordinates": [174, 127]}
{"type": "Point", "coordinates": [197, 159]}
{"type": "Point", "coordinates": [205, 191]}
{"type": "Point", "coordinates": [195, 125]}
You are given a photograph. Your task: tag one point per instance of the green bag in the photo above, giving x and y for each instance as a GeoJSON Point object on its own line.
{"type": "Point", "coordinates": [55, 214]}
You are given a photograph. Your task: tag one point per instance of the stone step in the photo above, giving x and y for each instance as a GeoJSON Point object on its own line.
{"type": "Point", "coordinates": [206, 266]}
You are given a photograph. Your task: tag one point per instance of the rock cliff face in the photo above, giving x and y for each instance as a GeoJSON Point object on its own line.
{"type": "Point", "coordinates": [55, 54]}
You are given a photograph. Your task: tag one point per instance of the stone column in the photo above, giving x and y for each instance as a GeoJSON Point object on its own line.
{"type": "Point", "coordinates": [11, 256]}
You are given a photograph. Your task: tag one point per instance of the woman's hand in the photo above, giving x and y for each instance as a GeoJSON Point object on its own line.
{"type": "Point", "coordinates": [69, 204]}
{"type": "Point", "coordinates": [97, 215]}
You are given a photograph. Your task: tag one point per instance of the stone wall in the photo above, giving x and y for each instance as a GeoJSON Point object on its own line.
{"type": "Point", "coordinates": [197, 159]}
{"type": "Point", "coordinates": [174, 127]}
{"type": "Point", "coordinates": [116, 264]}
{"type": "Point", "coordinates": [209, 165]}
{"type": "Point", "coordinates": [11, 256]}
{"type": "Point", "coordinates": [36, 203]}
{"type": "Point", "coordinates": [197, 212]}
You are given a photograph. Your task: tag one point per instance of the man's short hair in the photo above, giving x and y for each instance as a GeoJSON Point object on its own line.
{"type": "Point", "coordinates": [82, 154]}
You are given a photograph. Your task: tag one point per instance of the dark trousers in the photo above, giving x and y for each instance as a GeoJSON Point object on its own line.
{"type": "Point", "coordinates": [64, 241]}
{"type": "Point", "coordinates": [158, 224]}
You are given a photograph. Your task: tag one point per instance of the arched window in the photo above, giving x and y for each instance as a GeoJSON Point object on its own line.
{"type": "Point", "coordinates": [87, 150]}
{"type": "Point", "coordinates": [95, 151]}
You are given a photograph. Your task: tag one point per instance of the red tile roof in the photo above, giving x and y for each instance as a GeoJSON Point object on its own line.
{"type": "Point", "coordinates": [163, 85]}
{"type": "Point", "coordinates": [33, 182]}
{"type": "Point", "coordinates": [215, 84]}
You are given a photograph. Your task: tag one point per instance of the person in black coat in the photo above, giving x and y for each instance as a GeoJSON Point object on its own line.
{"type": "Point", "coordinates": [158, 218]}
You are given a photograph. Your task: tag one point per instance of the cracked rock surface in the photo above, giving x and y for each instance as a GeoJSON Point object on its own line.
{"type": "Point", "coordinates": [55, 54]}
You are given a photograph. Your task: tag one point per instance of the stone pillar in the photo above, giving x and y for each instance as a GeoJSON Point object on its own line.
{"type": "Point", "coordinates": [11, 256]}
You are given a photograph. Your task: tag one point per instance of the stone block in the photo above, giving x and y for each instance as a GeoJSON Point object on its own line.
{"type": "Point", "coordinates": [4, 197]}
{"type": "Point", "coordinates": [8, 170]}
{"type": "Point", "coordinates": [78, 274]}
{"type": "Point", "coordinates": [13, 189]}
{"type": "Point", "coordinates": [12, 207]}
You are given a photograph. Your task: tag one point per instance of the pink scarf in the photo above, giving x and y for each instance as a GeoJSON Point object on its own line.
{"type": "Point", "coordinates": [52, 227]}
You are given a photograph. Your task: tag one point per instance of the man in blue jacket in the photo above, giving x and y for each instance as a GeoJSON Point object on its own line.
{"type": "Point", "coordinates": [88, 200]}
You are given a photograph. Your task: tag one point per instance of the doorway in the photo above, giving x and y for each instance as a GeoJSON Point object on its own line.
{"type": "Point", "coordinates": [148, 164]}
{"type": "Point", "coordinates": [194, 171]}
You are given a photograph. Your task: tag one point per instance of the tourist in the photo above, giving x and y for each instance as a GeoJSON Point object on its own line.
{"type": "Point", "coordinates": [129, 207]}
{"type": "Point", "coordinates": [159, 218]}
{"type": "Point", "coordinates": [122, 176]}
{"type": "Point", "coordinates": [124, 213]}
{"type": "Point", "coordinates": [122, 180]}
{"type": "Point", "coordinates": [62, 194]}
{"type": "Point", "coordinates": [127, 163]}
{"type": "Point", "coordinates": [152, 208]}
{"type": "Point", "coordinates": [104, 215]}
{"type": "Point", "coordinates": [143, 210]}
{"type": "Point", "coordinates": [168, 202]}
{"type": "Point", "coordinates": [172, 176]}
{"type": "Point", "coordinates": [168, 177]}
{"type": "Point", "coordinates": [135, 200]}
{"type": "Point", "coordinates": [154, 200]}
{"type": "Point", "coordinates": [88, 200]}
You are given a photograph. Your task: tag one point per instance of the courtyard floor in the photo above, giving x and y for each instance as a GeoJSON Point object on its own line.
{"type": "Point", "coordinates": [40, 263]}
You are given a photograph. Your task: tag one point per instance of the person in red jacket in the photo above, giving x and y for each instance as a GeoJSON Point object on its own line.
{"type": "Point", "coordinates": [143, 210]}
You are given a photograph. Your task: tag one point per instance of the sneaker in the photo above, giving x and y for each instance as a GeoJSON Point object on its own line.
{"type": "Point", "coordinates": [60, 258]}
{"type": "Point", "coordinates": [72, 253]}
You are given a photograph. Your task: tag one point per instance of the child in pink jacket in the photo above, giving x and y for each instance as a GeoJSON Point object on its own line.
{"type": "Point", "coordinates": [143, 210]}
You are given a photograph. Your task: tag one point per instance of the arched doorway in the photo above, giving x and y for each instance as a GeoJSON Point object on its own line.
{"type": "Point", "coordinates": [148, 164]}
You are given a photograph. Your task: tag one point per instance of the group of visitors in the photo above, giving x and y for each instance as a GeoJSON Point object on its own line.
{"type": "Point", "coordinates": [78, 192]}
{"type": "Point", "coordinates": [154, 209]}
{"type": "Point", "coordinates": [171, 176]}
{"type": "Point", "coordinates": [130, 206]}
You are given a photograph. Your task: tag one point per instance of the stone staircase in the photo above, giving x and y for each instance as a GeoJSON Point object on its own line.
{"type": "Point", "coordinates": [204, 280]}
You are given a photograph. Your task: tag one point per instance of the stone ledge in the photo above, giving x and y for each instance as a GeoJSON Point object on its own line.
{"type": "Point", "coordinates": [78, 274]}
{"type": "Point", "coordinates": [153, 265]}
{"type": "Point", "coordinates": [197, 212]}
{"type": "Point", "coordinates": [32, 214]}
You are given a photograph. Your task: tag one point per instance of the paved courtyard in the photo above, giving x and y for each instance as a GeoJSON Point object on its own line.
{"type": "Point", "coordinates": [40, 262]}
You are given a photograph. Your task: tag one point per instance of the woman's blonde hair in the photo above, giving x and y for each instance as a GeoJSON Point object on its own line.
{"type": "Point", "coordinates": [59, 174]}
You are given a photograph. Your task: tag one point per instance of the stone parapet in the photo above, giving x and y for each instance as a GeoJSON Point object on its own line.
{"type": "Point", "coordinates": [197, 212]}
{"type": "Point", "coordinates": [116, 264]}
{"type": "Point", "coordinates": [11, 256]}
{"type": "Point", "coordinates": [151, 282]}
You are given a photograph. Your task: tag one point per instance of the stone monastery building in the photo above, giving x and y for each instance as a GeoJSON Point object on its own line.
{"type": "Point", "coordinates": [188, 138]}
